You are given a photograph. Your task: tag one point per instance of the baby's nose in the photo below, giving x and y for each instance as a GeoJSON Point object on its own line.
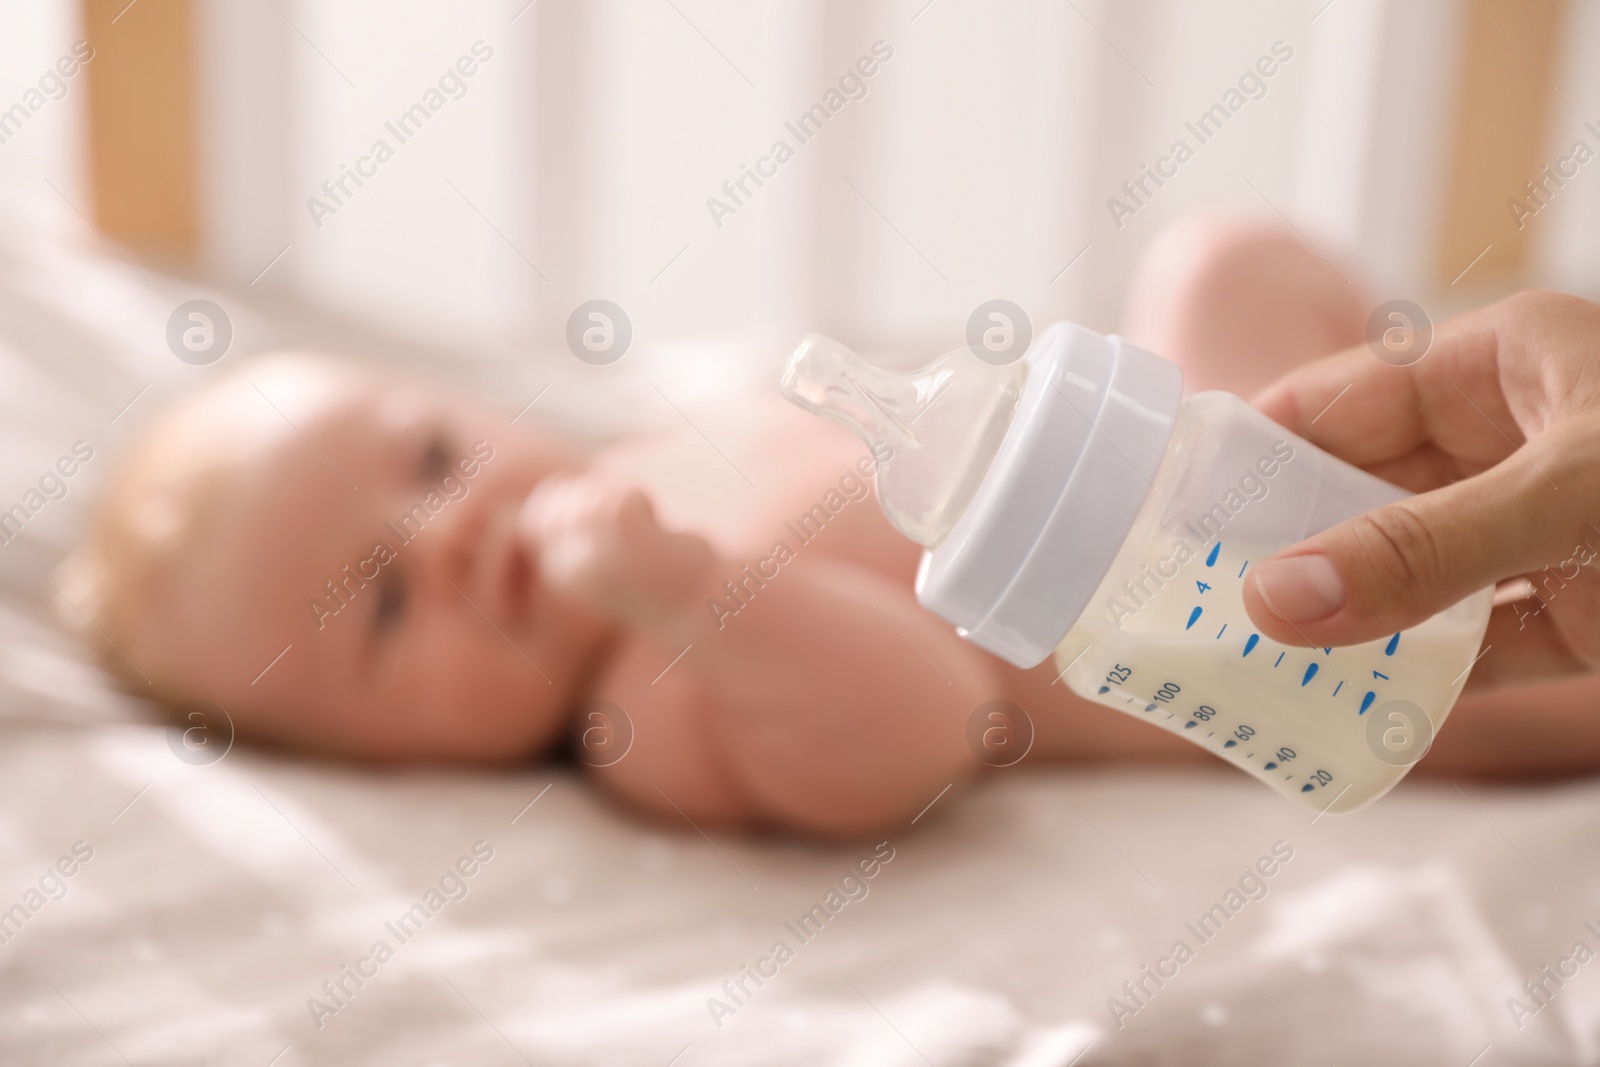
{"type": "Point", "coordinates": [472, 551]}
{"type": "Point", "coordinates": [440, 532]}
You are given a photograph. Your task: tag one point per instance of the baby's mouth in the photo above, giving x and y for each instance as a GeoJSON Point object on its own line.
{"type": "Point", "coordinates": [505, 570]}
{"type": "Point", "coordinates": [519, 575]}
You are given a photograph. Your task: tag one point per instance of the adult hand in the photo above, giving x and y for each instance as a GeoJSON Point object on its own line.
{"type": "Point", "coordinates": [1497, 429]}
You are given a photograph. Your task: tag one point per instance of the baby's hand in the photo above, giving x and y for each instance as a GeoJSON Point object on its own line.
{"type": "Point", "coordinates": [601, 542]}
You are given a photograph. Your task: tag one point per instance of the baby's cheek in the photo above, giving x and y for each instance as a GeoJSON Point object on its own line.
{"type": "Point", "coordinates": [485, 700]}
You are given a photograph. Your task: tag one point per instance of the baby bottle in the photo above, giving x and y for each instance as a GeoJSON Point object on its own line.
{"type": "Point", "coordinates": [1073, 502]}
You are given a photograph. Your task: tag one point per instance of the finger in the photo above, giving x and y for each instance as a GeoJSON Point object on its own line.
{"type": "Point", "coordinates": [1474, 398]}
{"type": "Point", "coordinates": [635, 511]}
{"type": "Point", "coordinates": [544, 524]}
{"type": "Point", "coordinates": [554, 504]}
{"type": "Point", "coordinates": [1429, 467]}
{"type": "Point", "coordinates": [1397, 565]}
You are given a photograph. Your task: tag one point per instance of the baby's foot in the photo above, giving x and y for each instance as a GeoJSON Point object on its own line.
{"type": "Point", "coordinates": [601, 542]}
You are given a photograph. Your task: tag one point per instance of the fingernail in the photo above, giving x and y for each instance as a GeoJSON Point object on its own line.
{"type": "Point", "coordinates": [1301, 588]}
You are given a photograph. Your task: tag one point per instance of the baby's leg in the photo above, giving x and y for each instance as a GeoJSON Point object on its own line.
{"type": "Point", "coordinates": [1237, 303]}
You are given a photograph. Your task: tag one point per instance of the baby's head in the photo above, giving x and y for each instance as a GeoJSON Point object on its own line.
{"type": "Point", "coordinates": [368, 525]}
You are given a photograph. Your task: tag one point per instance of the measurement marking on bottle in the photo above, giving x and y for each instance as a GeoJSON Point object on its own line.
{"type": "Point", "coordinates": [1211, 560]}
{"type": "Point", "coordinates": [1307, 788]}
{"type": "Point", "coordinates": [1311, 672]}
{"type": "Point", "coordinates": [1104, 689]}
{"type": "Point", "coordinates": [1222, 631]}
{"type": "Point", "coordinates": [1194, 617]}
{"type": "Point", "coordinates": [1380, 674]}
{"type": "Point", "coordinates": [1338, 687]}
{"type": "Point", "coordinates": [1366, 701]}
{"type": "Point", "coordinates": [1251, 642]}
{"type": "Point", "coordinates": [1241, 569]}
{"type": "Point", "coordinates": [1229, 744]}
{"type": "Point", "coordinates": [1279, 659]}
{"type": "Point", "coordinates": [1271, 765]}
{"type": "Point", "coordinates": [1394, 643]}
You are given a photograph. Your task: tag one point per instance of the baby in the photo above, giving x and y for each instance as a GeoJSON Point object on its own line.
{"type": "Point", "coordinates": [374, 568]}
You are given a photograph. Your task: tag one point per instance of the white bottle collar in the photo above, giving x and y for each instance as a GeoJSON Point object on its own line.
{"type": "Point", "coordinates": [1076, 465]}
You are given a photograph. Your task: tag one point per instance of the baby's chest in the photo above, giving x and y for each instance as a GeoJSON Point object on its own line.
{"type": "Point", "coordinates": [737, 478]}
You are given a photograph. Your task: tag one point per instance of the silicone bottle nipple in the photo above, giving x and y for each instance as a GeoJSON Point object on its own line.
{"type": "Point", "coordinates": [934, 431]}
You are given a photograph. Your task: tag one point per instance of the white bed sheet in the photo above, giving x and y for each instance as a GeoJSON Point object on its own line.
{"type": "Point", "coordinates": [220, 898]}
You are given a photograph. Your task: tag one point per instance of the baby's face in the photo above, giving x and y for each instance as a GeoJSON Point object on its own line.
{"type": "Point", "coordinates": [371, 530]}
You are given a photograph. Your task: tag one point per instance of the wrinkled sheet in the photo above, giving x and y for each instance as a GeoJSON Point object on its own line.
{"type": "Point", "coordinates": [227, 913]}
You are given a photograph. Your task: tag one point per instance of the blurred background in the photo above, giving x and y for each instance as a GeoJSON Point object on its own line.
{"type": "Point", "coordinates": [578, 161]}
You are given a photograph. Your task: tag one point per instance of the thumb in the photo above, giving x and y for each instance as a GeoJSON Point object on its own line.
{"type": "Point", "coordinates": [1394, 567]}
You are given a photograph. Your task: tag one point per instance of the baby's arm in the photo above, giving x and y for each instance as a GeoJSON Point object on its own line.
{"type": "Point", "coordinates": [829, 703]}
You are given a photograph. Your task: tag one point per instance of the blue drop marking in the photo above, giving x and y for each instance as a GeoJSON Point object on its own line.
{"type": "Point", "coordinates": [1241, 569]}
{"type": "Point", "coordinates": [1366, 702]}
{"type": "Point", "coordinates": [1104, 689]}
{"type": "Point", "coordinates": [1338, 687]}
{"type": "Point", "coordinates": [1394, 643]}
{"type": "Point", "coordinates": [1311, 672]}
{"type": "Point", "coordinates": [1251, 643]}
{"type": "Point", "coordinates": [1211, 560]}
{"type": "Point", "coordinates": [1271, 766]}
{"type": "Point", "coordinates": [1279, 659]}
{"type": "Point", "coordinates": [1229, 744]}
{"type": "Point", "coordinates": [1194, 617]}
{"type": "Point", "coordinates": [1222, 631]}
{"type": "Point", "coordinates": [1306, 788]}
{"type": "Point", "coordinates": [1149, 707]}
{"type": "Point", "coordinates": [1190, 725]}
